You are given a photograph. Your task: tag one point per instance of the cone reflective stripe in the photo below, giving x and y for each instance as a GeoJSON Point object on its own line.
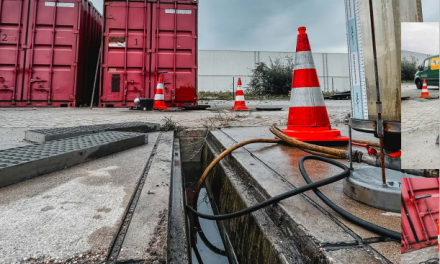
{"type": "Point", "coordinates": [159, 98]}
{"type": "Point", "coordinates": [425, 93]}
{"type": "Point", "coordinates": [239, 104]}
{"type": "Point", "coordinates": [308, 118]}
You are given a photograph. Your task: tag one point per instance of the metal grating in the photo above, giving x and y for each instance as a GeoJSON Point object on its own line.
{"type": "Point", "coordinates": [26, 162]}
{"type": "Point", "coordinates": [43, 135]}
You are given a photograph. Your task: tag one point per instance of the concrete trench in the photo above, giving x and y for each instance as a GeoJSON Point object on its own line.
{"type": "Point", "coordinates": [271, 235]}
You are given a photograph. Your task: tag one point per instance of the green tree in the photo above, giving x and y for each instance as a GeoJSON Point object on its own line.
{"type": "Point", "coordinates": [272, 79]}
{"type": "Point", "coordinates": [409, 68]}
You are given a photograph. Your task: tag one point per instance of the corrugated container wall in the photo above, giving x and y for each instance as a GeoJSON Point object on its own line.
{"type": "Point", "coordinates": [47, 52]}
{"type": "Point", "coordinates": [143, 39]}
{"type": "Point", "coordinates": [419, 213]}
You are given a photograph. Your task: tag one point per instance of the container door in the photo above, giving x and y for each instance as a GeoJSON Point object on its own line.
{"type": "Point", "coordinates": [13, 15]}
{"type": "Point", "coordinates": [175, 46]}
{"type": "Point", "coordinates": [126, 57]}
{"type": "Point", "coordinates": [52, 54]}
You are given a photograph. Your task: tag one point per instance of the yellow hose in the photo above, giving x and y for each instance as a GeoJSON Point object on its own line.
{"type": "Point", "coordinates": [310, 148]}
{"type": "Point", "coordinates": [371, 144]}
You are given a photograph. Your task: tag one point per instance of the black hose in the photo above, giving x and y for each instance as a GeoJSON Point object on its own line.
{"type": "Point", "coordinates": [356, 220]}
{"type": "Point", "coordinates": [310, 186]}
{"type": "Point", "coordinates": [280, 197]}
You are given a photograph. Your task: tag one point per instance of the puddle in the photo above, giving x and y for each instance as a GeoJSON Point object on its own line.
{"type": "Point", "coordinates": [207, 244]}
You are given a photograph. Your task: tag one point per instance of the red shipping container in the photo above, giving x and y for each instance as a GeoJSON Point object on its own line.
{"type": "Point", "coordinates": [47, 51]}
{"type": "Point", "coordinates": [142, 40]}
{"type": "Point", "coordinates": [419, 213]}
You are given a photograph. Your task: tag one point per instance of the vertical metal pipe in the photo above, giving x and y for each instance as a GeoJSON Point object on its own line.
{"type": "Point", "coordinates": [31, 61]}
{"type": "Point", "coordinates": [52, 53]}
{"type": "Point", "coordinates": [96, 74]}
{"type": "Point", "coordinates": [125, 53]}
{"type": "Point", "coordinates": [378, 102]}
{"type": "Point", "coordinates": [144, 40]}
{"type": "Point", "coordinates": [173, 93]}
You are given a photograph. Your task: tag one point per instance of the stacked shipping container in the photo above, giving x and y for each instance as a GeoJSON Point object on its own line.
{"type": "Point", "coordinates": [419, 212]}
{"type": "Point", "coordinates": [48, 52]}
{"type": "Point", "coordinates": [143, 39]}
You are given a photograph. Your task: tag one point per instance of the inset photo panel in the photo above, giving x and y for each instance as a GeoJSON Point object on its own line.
{"type": "Point", "coordinates": [420, 95]}
{"type": "Point", "coordinates": [419, 220]}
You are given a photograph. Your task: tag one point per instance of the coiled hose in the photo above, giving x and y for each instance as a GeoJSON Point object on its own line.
{"type": "Point", "coordinates": [322, 151]}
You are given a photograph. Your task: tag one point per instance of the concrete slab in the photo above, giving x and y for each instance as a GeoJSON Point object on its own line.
{"type": "Point", "coordinates": [146, 238]}
{"type": "Point", "coordinates": [299, 209]}
{"type": "Point", "coordinates": [72, 214]}
{"type": "Point", "coordinates": [421, 255]}
{"type": "Point", "coordinates": [23, 163]}
{"type": "Point", "coordinates": [48, 134]}
{"type": "Point", "coordinates": [281, 164]}
{"type": "Point", "coordinates": [352, 255]}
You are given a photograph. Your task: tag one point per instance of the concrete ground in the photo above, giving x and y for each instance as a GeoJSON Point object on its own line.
{"type": "Point", "coordinates": [421, 255]}
{"type": "Point", "coordinates": [76, 213]}
{"type": "Point", "coordinates": [420, 128]}
{"type": "Point", "coordinates": [15, 121]}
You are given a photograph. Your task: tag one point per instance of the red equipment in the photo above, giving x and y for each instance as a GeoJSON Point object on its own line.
{"type": "Point", "coordinates": [48, 50]}
{"type": "Point", "coordinates": [143, 38]}
{"type": "Point", "coordinates": [308, 119]}
{"type": "Point", "coordinates": [419, 213]}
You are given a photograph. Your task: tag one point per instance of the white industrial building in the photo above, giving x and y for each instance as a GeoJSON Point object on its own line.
{"type": "Point", "coordinates": [220, 69]}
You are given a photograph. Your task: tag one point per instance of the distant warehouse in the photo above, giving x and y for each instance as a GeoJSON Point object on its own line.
{"type": "Point", "coordinates": [219, 69]}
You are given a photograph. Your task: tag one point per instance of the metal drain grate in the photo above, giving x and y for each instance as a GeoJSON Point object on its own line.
{"type": "Point", "coordinates": [44, 135]}
{"type": "Point", "coordinates": [18, 164]}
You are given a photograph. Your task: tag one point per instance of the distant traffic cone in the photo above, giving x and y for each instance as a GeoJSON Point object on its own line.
{"type": "Point", "coordinates": [308, 119]}
{"type": "Point", "coordinates": [240, 104]}
{"type": "Point", "coordinates": [159, 102]}
{"type": "Point", "coordinates": [425, 93]}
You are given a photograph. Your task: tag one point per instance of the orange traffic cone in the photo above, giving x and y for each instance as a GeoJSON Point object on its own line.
{"type": "Point", "coordinates": [308, 119]}
{"type": "Point", "coordinates": [240, 104]}
{"type": "Point", "coordinates": [425, 93]}
{"type": "Point", "coordinates": [159, 102]}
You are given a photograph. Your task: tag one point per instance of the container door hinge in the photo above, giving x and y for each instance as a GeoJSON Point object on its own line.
{"type": "Point", "coordinates": [76, 32]}
{"type": "Point", "coordinates": [195, 67]}
{"type": "Point", "coordinates": [71, 97]}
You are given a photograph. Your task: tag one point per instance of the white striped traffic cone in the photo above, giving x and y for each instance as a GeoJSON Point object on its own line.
{"type": "Point", "coordinates": [425, 93]}
{"type": "Point", "coordinates": [159, 100]}
{"type": "Point", "coordinates": [240, 104]}
{"type": "Point", "coordinates": [308, 119]}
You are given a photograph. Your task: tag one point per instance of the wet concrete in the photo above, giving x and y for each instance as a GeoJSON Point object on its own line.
{"type": "Point", "coordinates": [70, 214]}
{"type": "Point", "coordinates": [271, 166]}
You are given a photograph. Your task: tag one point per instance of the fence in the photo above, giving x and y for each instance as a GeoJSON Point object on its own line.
{"type": "Point", "coordinates": [228, 83]}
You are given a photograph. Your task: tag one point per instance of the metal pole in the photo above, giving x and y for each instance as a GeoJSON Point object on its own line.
{"type": "Point", "coordinates": [380, 132]}
{"type": "Point", "coordinates": [96, 75]}
{"type": "Point", "coordinates": [233, 88]}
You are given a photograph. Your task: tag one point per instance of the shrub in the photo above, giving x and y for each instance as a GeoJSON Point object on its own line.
{"type": "Point", "coordinates": [409, 68]}
{"type": "Point", "coordinates": [272, 79]}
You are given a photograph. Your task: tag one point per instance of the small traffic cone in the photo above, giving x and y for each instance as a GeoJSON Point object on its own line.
{"type": "Point", "coordinates": [308, 119]}
{"type": "Point", "coordinates": [240, 104]}
{"type": "Point", "coordinates": [425, 93]}
{"type": "Point", "coordinates": [159, 103]}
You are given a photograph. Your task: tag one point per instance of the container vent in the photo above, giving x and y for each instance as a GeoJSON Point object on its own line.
{"type": "Point", "coordinates": [116, 82]}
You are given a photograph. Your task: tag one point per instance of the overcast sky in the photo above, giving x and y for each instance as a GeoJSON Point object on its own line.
{"type": "Point", "coordinates": [272, 25]}
{"type": "Point", "coordinates": [421, 37]}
